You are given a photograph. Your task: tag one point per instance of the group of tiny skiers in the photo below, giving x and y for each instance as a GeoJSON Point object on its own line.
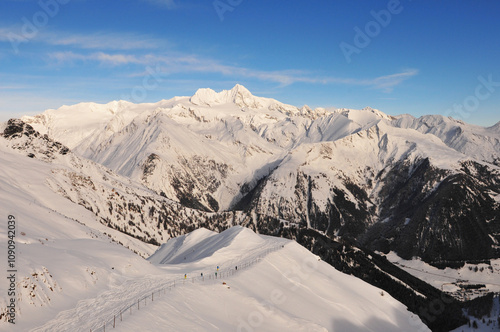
{"type": "Point", "coordinates": [235, 268]}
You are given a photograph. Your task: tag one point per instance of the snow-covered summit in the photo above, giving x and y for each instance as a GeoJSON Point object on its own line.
{"type": "Point", "coordinates": [365, 116]}
{"type": "Point", "coordinates": [203, 243]}
{"type": "Point", "coordinates": [239, 95]}
{"type": "Point", "coordinates": [473, 141]}
{"type": "Point", "coordinates": [495, 127]}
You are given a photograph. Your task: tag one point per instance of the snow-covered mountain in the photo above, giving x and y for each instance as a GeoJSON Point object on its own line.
{"type": "Point", "coordinates": [341, 182]}
{"type": "Point", "coordinates": [427, 187]}
{"type": "Point", "coordinates": [204, 151]}
{"type": "Point", "coordinates": [73, 270]}
{"type": "Point", "coordinates": [474, 141]}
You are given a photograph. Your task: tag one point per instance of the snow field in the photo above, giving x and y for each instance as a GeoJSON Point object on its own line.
{"type": "Point", "coordinates": [288, 290]}
{"type": "Point", "coordinates": [128, 293]}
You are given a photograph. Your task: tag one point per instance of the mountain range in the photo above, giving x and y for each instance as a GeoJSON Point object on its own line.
{"type": "Point", "coordinates": [427, 187]}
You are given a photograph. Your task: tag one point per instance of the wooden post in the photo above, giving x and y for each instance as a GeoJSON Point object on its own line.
{"type": "Point", "coordinates": [114, 321]}
{"type": "Point", "coordinates": [121, 318]}
{"type": "Point", "coordinates": [138, 305]}
{"type": "Point", "coordinates": [152, 296]}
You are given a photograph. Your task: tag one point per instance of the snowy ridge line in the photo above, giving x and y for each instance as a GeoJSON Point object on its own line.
{"type": "Point", "coordinates": [141, 302]}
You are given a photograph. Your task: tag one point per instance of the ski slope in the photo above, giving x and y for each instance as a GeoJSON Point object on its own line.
{"type": "Point", "coordinates": [289, 290]}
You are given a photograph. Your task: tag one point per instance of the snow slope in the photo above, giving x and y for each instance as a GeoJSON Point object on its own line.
{"type": "Point", "coordinates": [474, 141]}
{"type": "Point", "coordinates": [202, 243]}
{"type": "Point", "coordinates": [63, 254]}
{"type": "Point", "coordinates": [289, 290]}
{"type": "Point", "coordinates": [67, 252]}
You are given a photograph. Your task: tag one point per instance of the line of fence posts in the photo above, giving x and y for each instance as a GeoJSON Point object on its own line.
{"type": "Point", "coordinates": [218, 275]}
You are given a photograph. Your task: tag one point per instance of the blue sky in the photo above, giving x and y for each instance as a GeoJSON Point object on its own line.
{"type": "Point", "coordinates": [417, 57]}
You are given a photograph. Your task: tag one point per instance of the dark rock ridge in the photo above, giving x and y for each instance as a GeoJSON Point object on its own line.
{"type": "Point", "coordinates": [457, 221]}
{"type": "Point", "coordinates": [24, 137]}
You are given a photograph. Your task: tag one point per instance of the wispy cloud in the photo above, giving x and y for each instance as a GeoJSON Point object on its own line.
{"type": "Point", "coordinates": [67, 57]}
{"type": "Point", "coordinates": [102, 58]}
{"type": "Point", "coordinates": [93, 41]}
{"type": "Point", "coordinates": [15, 87]}
{"type": "Point", "coordinates": [181, 63]}
{"type": "Point", "coordinates": [5, 34]}
{"type": "Point", "coordinates": [118, 49]}
{"type": "Point", "coordinates": [103, 41]}
{"type": "Point", "coordinates": [388, 82]}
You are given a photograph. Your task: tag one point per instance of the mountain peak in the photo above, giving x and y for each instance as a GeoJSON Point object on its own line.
{"type": "Point", "coordinates": [238, 95]}
{"type": "Point", "coordinates": [495, 127]}
{"type": "Point", "coordinates": [205, 96]}
{"type": "Point", "coordinates": [238, 88]}
{"type": "Point", "coordinates": [364, 116]}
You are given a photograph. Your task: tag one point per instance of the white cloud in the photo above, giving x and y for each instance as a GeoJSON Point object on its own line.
{"type": "Point", "coordinates": [115, 59]}
{"type": "Point", "coordinates": [181, 63]}
{"type": "Point", "coordinates": [63, 57]}
{"type": "Point", "coordinates": [97, 41]}
{"type": "Point", "coordinates": [388, 82]}
{"type": "Point", "coordinates": [103, 41]}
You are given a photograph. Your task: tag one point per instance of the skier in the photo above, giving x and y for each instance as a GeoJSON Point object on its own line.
{"type": "Point", "coordinates": [185, 276]}
{"type": "Point", "coordinates": [236, 267]}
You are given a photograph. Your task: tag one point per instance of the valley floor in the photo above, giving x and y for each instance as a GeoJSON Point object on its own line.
{"type": "Point", "coordinates": [455, 281]}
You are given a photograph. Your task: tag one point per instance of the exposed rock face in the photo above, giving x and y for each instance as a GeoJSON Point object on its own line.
{"type": "Point", "coordinates": [23, 137]}
{"type": "Point", "coordinates": [458, 220]}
